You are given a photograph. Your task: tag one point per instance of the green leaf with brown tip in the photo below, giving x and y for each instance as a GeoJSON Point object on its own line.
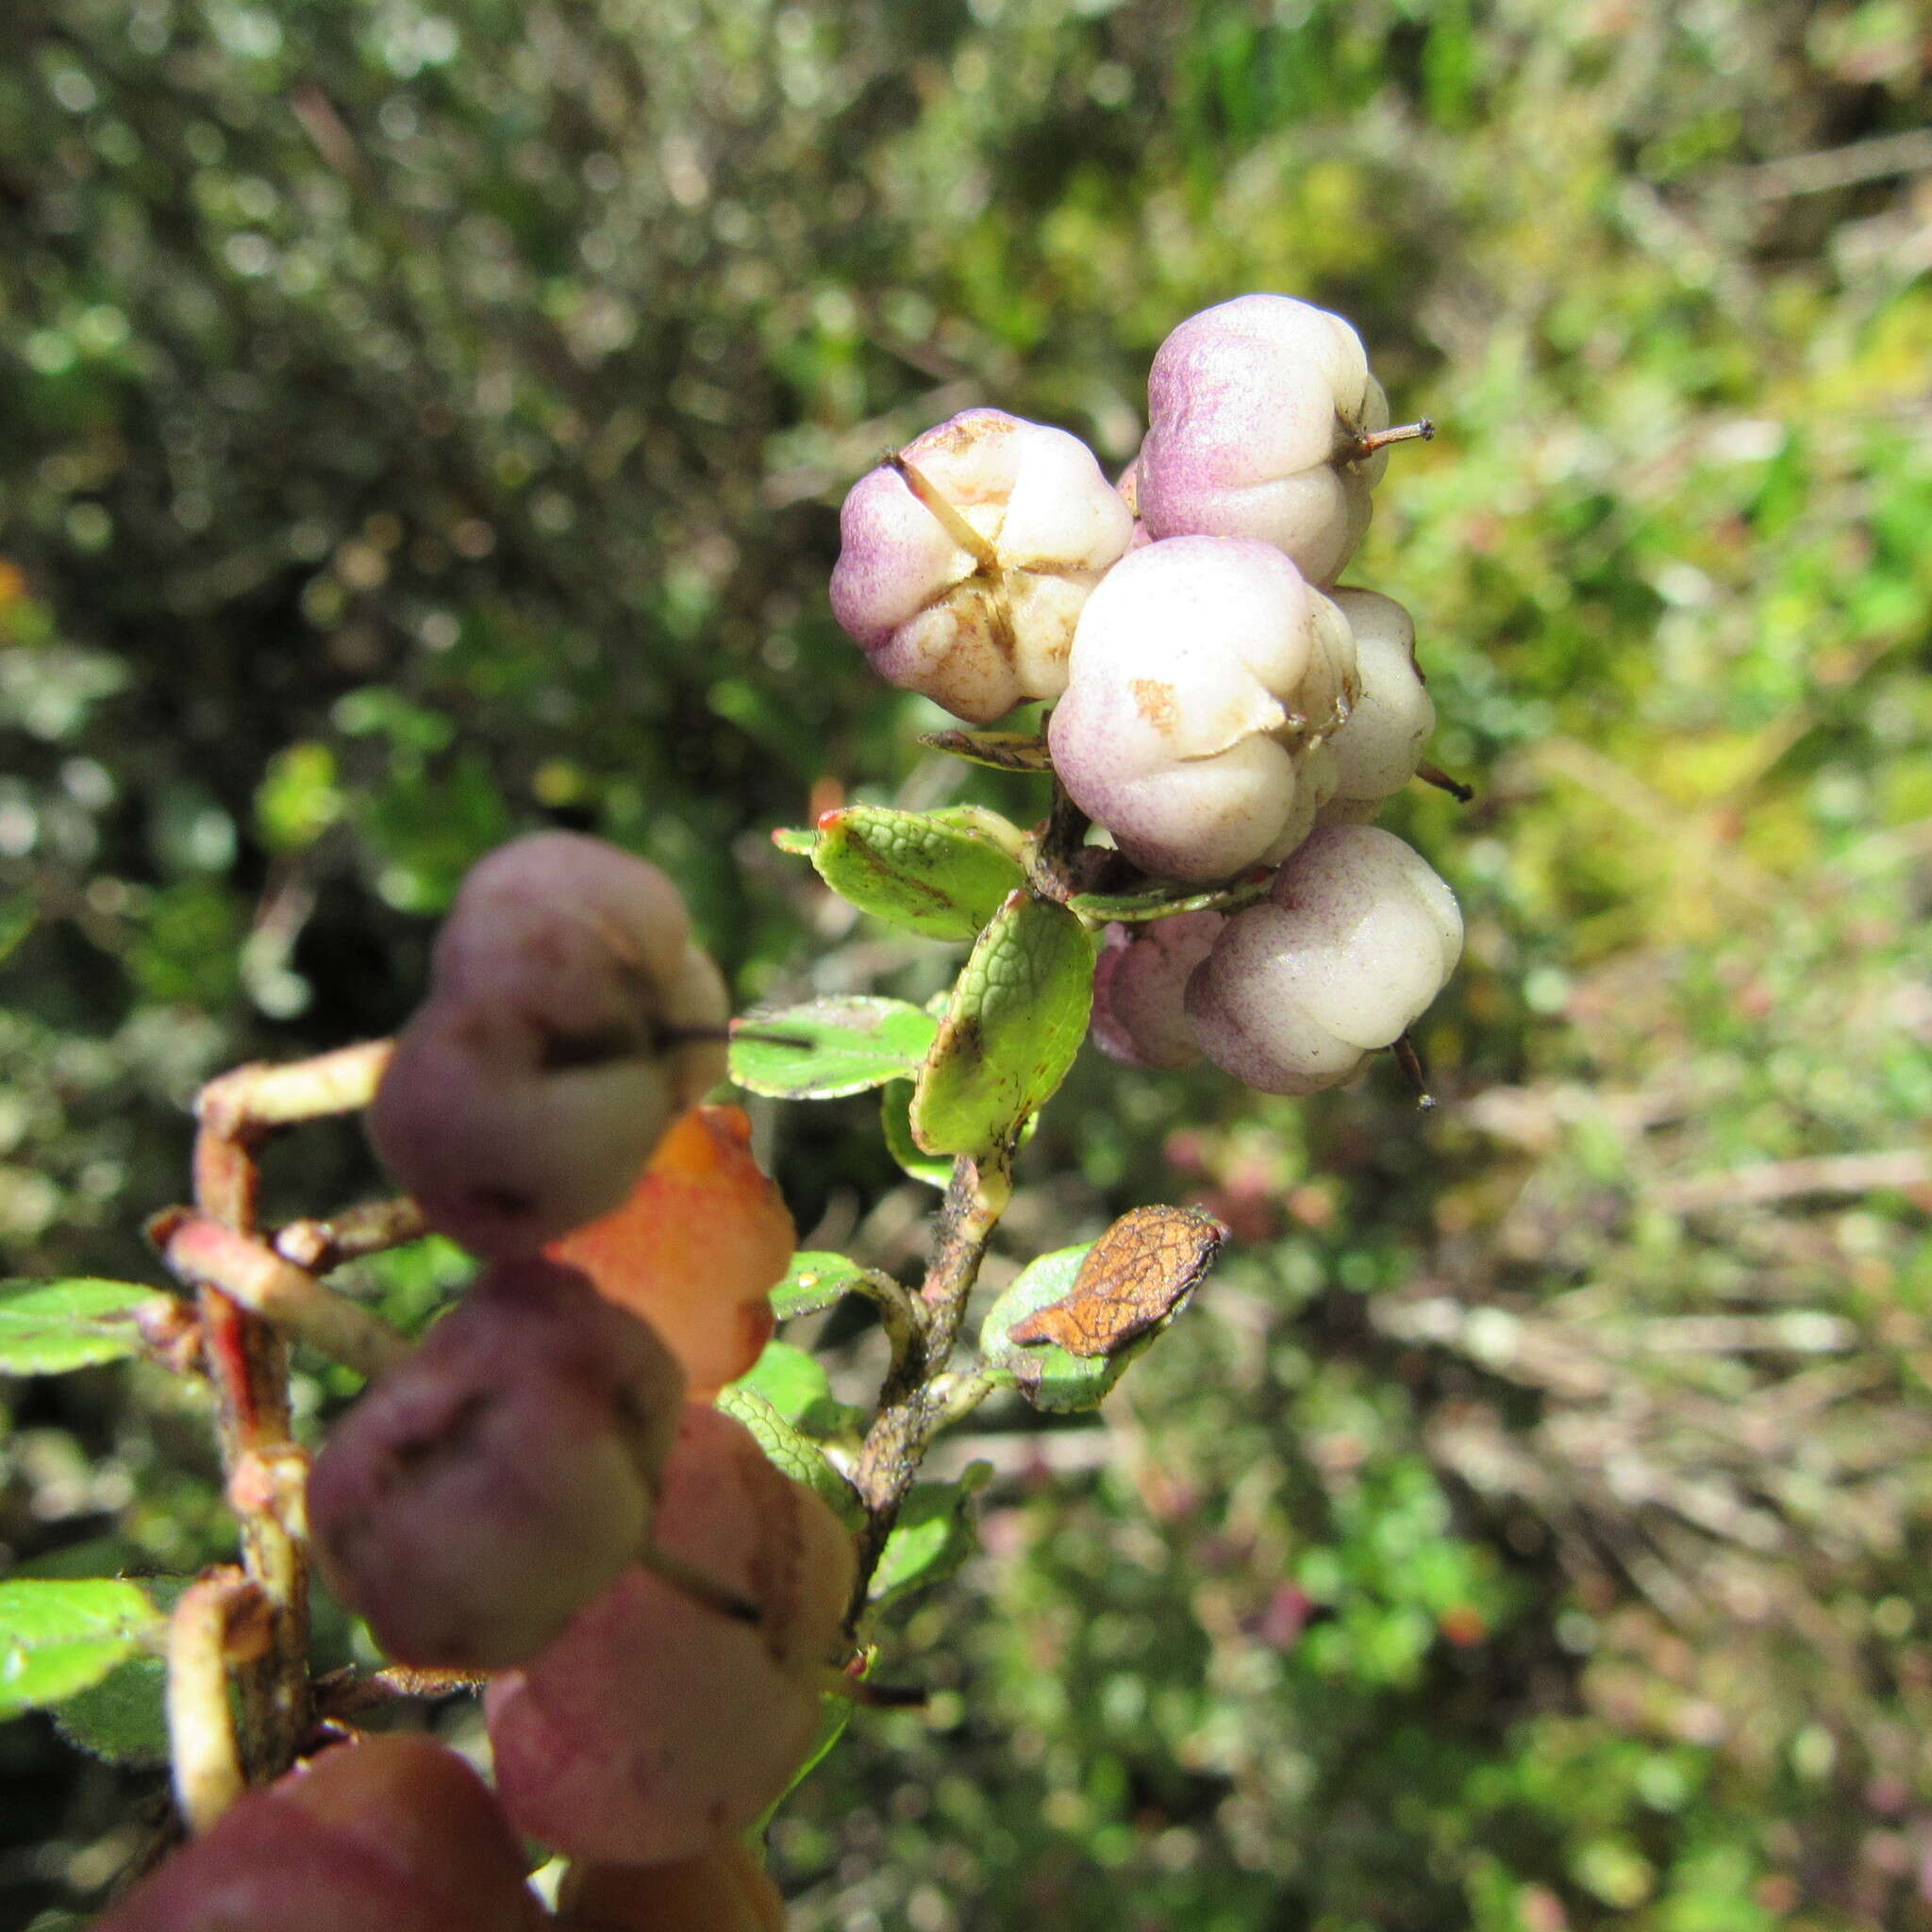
{"type": "Point", "coordinates": [1015, 1021]}
{"type": "Point", "coordinates": [937, 874]}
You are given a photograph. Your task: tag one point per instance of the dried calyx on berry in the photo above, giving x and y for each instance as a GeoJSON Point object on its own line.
{"type": "Point", "coordinates": [1264, 422]}
{"type": "Point", "coordinates": [1205, 675]}
{"type": "Point", "coordinates": [392, 1831]}
{"type": "Point", "coordinates": [569, 1018]}
{"type": "Point", "coordinates": [655, 1725]}
{"type": "Point", "coordinates": [1358, 934]}
{"type": "Point", "coordinates": [964, 561]}
{"type": "Point", "coordinates": [483, 1492]}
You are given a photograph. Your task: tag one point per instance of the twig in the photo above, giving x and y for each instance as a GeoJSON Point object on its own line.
{"type": "Point", "coordinates": [1781, 1180]}
{"type": "Point", "coordinates": [248, 1362]}
{"type": "Point", "coordinates": [1056, 867]}
{"type": "Point", "coordinates": [1875, 159]}
{"type": "Point", "coordinates": [205, 1254]}
{"type": "Point", "coordinates": [372, 1228]}
{"type": "Point", "coordinates": [220, 1617]}
{"type": "Point", "coordinates": [914, 1404]}
{"type": "Point", "coordinates": [346, 1691]}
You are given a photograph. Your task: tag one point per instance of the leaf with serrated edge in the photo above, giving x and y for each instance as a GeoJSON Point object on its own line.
{"type": "Point", "coordinates": [919, 871]}
{"type": "Point", "coordinates": [830, 1047]}
{"type": "Point", "coordinates": [48, 1327]}
{"type": "Point", "coordinates": [1135, 1276]}
{"type": "Point", "coordinates": [59, 1636]}
{"type": "Point", "coordinates": [793, 1452]}
{"type": "Point", "coordinates": [1014, 1025]}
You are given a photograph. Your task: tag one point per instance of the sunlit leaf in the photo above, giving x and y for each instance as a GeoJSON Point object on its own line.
{"type": "Point", "coordinates": [829, 1047]}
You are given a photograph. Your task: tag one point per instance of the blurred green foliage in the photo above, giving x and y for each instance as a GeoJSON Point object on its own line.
{"type": "Point", "coordinates": [419, 422]}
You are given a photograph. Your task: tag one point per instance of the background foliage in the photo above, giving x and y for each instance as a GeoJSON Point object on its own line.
{"type": "Point", "coordinates": [419, 422]}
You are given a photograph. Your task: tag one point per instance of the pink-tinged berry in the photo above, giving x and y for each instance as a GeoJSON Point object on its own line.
{"type": "Point", "coordinates": [963, 564]}
{"type": "Point", "coordinates": [1257, 411]}
{"type": "Point", "coordinates": [1357, 937]}
{"type": "Point", "coordinates": [1140, 980]}
{"type": "Point", "coordinates": [488, 1488]}
{"type": "Point", "coordinates": [393, 1832]}
{"type": "Point", "coordinates": [1204, 673]}
{"type": "Point", "coordinates": [1378, 750]}
{"type": "Point", "coordinates": [655, 1725]}
{"type": "Point", "coordinates": [569, 1019]}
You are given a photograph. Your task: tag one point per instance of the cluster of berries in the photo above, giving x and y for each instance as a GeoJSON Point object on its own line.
{"type": "Point", "coordinates": [540, 1492]}
{"type": "Point", "coordinates": [1220, 704]}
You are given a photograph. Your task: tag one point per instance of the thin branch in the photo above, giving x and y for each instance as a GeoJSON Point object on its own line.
{"type": "Point", "coordinates": [1781, 1180]}
{"type": "Point", "coordinates": [354, 1234]}
{"type": "Point", "coordinates": [204, 1253]}
{"type": "Point", "coordinates": [914, 1404]}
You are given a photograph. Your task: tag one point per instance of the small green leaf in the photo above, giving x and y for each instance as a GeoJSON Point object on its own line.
{"type": "Point", "coordinates": [934, 1535]}
{"type": "Point", "coordinates": [1015, 1022]}
{"type": "Point", "coordinates": [47, 1327]}
{"type": "Point", "coordinates": [896, 1117]}
{"type": "Point", "coordinates": [124, 1717]}
{"type": "Point", "coordinates": [921, 871]}
{"type": "Point", "coordinates": [798, 839]}
{"type": "Point", "coordinates": [60, 1637]}
{"type": "Point", "coordinates": [790, 1449]}
{"type": "Point", "coordinates": [794, 1382]}
{"type": "Point", "coordinates": [829, 1047]}
{"type": "Point", "coordinates": [816, 1281]}
{"type": "Point", "coordinates": [1048, 1375]}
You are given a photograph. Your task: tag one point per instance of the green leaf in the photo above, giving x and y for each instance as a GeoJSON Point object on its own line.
{"type": "Point", "coordinates": [816, 1280]}
{"type": "Point", "coordinates": [1016, 1019]}
{"type": "Point", "coordinates": [1048, 1375]}
{"type": "Point", "coordinates": [124, 1717]}
{"type": "Point", "coordinates": [794, 1382]}
{"type": "Point", "coordinates": [796, 839]}
{"type": "Point", "coordinates": [921, 871]}
{"type": "Point", "coordinates": [60, 1637]}
{"type": "Point", "coordinates": [790, 1449]}
{"type": "Point", "coordinates": [47, 1327]}
{"type": "Point", "coordinates": [896, 1117]}
{"type": "Point", "coordinates": [829, 1047]}
{"type": "Point", "coordinates": [934, 1535]}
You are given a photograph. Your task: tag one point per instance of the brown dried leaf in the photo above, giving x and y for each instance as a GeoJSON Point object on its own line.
{"type": "Point", "coordinates": [1137, 1273]}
